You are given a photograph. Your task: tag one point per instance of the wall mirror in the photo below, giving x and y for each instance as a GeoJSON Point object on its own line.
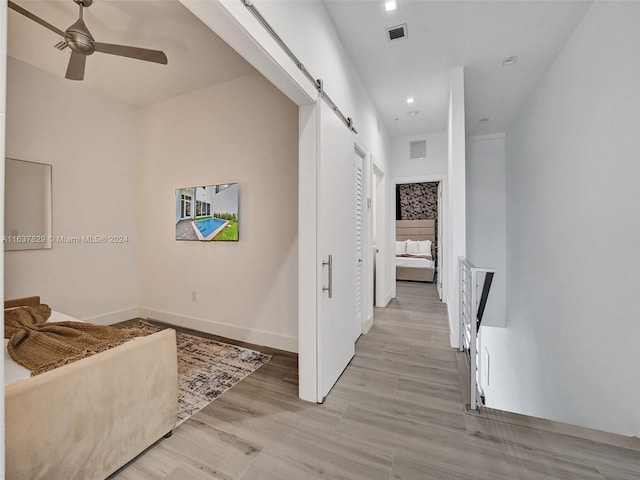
{"type": "Point", "coordinates": [27, 214]}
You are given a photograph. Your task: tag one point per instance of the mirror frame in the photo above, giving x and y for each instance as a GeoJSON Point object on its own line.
{"type": "Point", "coordinates": [36, 240]}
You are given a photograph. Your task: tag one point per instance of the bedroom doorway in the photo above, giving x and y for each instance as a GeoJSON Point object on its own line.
{"type": "Point", "coordinates": [418, 232]}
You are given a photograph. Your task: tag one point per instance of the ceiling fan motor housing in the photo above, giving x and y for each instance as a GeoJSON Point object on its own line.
{"type": "Point", "coordinates": [79, 38]}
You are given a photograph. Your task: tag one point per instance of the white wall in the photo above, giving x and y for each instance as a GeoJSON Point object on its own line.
{"type": "Point", "coordinates": [403, 167]}
{"type": "Point", "coordinates": [433, 168]}
{"type": "Point", "coordinates": [225, 201]}
{"type": "Point", "coordinates": [241, 131]}
{"type": "Point", "coordinates": [570, 349]}
{"type": "Point", "coordinates": [306, 27]}
{"type": "Point", "coordinates": [3, 76]}
{"type": "Point", "coordinates": [486, 217]}
{"type": "Point", "coordinates": [92, 143]}
{"type": "Point", "coordinates": [455, 235]}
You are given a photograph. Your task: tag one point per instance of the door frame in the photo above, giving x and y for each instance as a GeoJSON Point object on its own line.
{"type": "Point", "coordinates": [381, 233]}
{"type": "Point", "coordinates": [367, 237]}
{"type": "Point", "coordinates": [443, 224]}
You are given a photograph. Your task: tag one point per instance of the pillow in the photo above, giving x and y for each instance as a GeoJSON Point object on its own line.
{"type": "Point", "coordinates": [424, 247]}
{"type": "Point", "coordinates": [412, 247]}
{"type": "Point", "coordinates": [401, 248]}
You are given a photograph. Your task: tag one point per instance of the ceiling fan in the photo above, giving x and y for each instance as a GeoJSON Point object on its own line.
{"type": "Point", "coordinates": [82, 43]}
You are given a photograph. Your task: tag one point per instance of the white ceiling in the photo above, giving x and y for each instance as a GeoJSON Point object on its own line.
{"type": "Point", "coordinates": [197, 57]}
{"type": "Point", "coordinates": [443, 35]}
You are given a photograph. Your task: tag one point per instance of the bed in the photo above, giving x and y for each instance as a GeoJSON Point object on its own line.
{"type": "Point", "coordinates": [415, 250]}
{"type": "Point", "coordinates": [86, 419]}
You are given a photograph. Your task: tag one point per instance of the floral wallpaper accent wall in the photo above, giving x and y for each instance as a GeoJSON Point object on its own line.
{"type": "Point", "coordinates": [417, 201]}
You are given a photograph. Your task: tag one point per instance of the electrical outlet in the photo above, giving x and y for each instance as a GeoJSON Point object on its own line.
{"type": "Point", "coordinates": [194, 296]}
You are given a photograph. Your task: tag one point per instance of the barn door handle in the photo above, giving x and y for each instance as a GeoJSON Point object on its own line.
{"type": "Point", "coordinates": [329, 263]}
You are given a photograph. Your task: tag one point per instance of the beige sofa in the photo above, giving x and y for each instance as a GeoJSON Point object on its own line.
{"type": "Point", "coordinates": [89, 418]}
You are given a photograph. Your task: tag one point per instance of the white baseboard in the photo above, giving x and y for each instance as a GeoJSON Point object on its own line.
{"type": "Point", "coordinates": [388, 297]}
{"type": "Point", "coordinates": [114, 317]}
{"type": "Point", "coordinates": [366, 326]}
{"type": "Point", "coordinates": [257, 337]}
{"type": "Point", "coordinates": [453, 339]}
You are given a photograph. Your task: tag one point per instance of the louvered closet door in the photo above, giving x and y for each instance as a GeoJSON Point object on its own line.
{"type": "Point", "coordinates": [359, 248]}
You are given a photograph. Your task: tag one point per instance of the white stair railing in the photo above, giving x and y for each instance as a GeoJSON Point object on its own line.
{"type": "Point", "coordinates": [471, 309]}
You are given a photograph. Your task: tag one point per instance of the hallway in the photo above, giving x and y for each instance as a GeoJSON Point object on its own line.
{"type": "Point", "coordinates": [396, 413]}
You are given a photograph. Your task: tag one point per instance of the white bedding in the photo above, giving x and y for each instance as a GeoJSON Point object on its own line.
{"type": "Point", "coordinates": [14, 371]}
{"type": "Point", "coordinates": [412, 262]}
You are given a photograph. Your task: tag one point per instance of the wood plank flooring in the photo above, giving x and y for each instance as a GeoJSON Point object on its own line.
{"type": "Point", "coordinates": [395, 414]}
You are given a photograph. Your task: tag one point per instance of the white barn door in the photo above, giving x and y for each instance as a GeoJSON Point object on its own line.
{"type": "Point", "coordinates": [336, 236]}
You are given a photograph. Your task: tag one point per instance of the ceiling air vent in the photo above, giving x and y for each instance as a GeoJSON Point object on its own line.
{"type": "Point", "coordinates": [418, 150]}
{"type": "Point", "coordinates": [397, 32]}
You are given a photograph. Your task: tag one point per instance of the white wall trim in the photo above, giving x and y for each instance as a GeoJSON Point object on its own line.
{"type": "Point", "coordinates": [444, 227]}
{"type": "Point", "coordinates": [436, 177]}
{"type": "Point", "coordinates": [381, 233]}
{"type": "Point", "coordinates": [389, 296]}
{"type": "Point", "coordinates": [116, 316]}
{"type": "Point", "coordinates": [456, 198]}
{"type": "Point", "coordinates": [257, 337]}
{"type": "Point", "coordinates": [492, 136]}
{"type": "Point", "coordinates": [232, 22]}
{"type": "Point", "coordinates": [307, 344]}
{"type": "Point", "coordinates": [367, 324]}
{"type": "Point", "coordinates": [453, 338]}
{"type": "Point", "coordinates": [367, 233]}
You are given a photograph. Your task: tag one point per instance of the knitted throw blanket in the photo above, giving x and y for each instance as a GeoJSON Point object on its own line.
{"type": "Point", "coordinates": [41, 346]}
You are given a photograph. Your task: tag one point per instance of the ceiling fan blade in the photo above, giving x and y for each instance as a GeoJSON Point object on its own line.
{"type": "Point", "coordinates": [155, 56]}
{"type": "Point", "coordinates": [75, 70]}
{"type": "Point", "coordinates": [31, 16]}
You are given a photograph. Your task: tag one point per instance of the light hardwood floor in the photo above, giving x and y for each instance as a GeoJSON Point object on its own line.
{"type": "Point", "coordinates": [396, 413]}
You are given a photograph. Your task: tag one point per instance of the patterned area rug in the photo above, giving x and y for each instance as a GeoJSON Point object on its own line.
{"type": "Point", "coordinates": [207, 369]}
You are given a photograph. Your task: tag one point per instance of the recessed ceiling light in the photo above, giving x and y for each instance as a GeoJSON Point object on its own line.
{"type": "Point", "coordinates": [483, 120]}
{"type": "Point", "coordinates": [410, 100]}
{"type": "Point", "coordinates": [413, 113]}
{"type": "Point", "coordinates": [390, 5]}
{"type": "Point", "coordinates": [509, 61]}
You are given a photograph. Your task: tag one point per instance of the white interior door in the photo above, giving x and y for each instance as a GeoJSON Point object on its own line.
{"type": "Point", "coordinates": [359, 224]}
{"type": "Point", "coordinates": [380, 234]}
{"type": "Point", "coordinates": [336, 236]}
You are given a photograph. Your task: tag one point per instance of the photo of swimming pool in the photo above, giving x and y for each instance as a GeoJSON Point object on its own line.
{"type": "Point", "coordinates": [209, 227]}
{"type": "Point", "coordinates": [207, 213]}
